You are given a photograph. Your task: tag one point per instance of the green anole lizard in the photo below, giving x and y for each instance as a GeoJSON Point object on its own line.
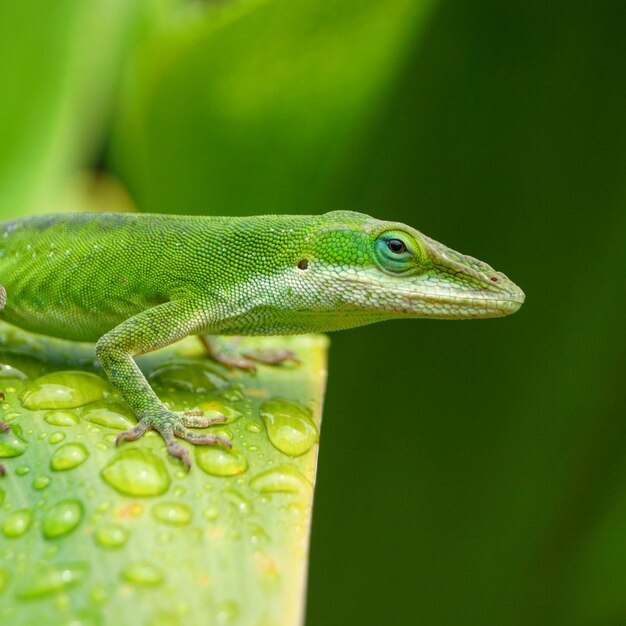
{"type": "Point", "coordinates": [134, 283]}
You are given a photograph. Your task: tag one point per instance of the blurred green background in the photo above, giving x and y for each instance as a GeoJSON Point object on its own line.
{"type": "Point", "coordinates": [470, 473]}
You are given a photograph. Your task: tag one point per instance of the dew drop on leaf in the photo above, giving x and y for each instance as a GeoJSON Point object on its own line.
{"type": "Point", "coordinates": [142, 573]}
{"type": "Point", "coordinates": [11, 443]}
{"type": "Point", "coordinates": [173, 513]}
{"type": "Point", "coordinates": [194, 376]}
{"type": "Point", "coordinates": [237, 500]}
{"type": "Point", "coordinates": [221, 462]}
{"type": "Point", "coordinates": [41, 482]}
{"type": "Point", "coordinates": [63, 390]}
{"type": "Point", "coordinates": [62, 518]}
{"type": "Point", "coordinates": [48, 580]}
{"type": "Point", "coordinates": [137, 472]}
{"type": "Point", "coordinates": [61, 418]}
{"type": "Point", "coordinates": [110, 415]}
{"type": "Point", "coordinates": [289, 426]}
{"type": "Point", "coordinates": [68, 457]}
{"type": "Point", "coordinates": [17, 523]}
{"type": "Point", "coordinates": [284, 479]}
{"type": "Point", "coordinates": [111, 535]}
{"type": "Point", "coordinates": [56, 438]}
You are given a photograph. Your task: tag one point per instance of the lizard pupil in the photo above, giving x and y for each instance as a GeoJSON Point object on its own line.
{"type": "Point", "coordinates": [396, 246]}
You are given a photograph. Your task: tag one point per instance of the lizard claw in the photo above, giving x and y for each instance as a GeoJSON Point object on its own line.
{"type": "Point", "coordinates": [171, 425]}
{"type": "Point", "coordinates": [132, 434]}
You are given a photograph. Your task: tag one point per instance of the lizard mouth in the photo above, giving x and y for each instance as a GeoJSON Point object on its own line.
{"type": "Point", "coordinates": [446, 305]}
{"type": "Point", "coordinates": [504, 299]}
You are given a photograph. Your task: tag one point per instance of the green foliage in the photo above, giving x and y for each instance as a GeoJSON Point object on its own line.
{"type": "Point", "coordinates": [92, 533]}
{"type": "Point", "coordinates": [258, 106]}
{"type": "Point", "coordinates": [59, 63]}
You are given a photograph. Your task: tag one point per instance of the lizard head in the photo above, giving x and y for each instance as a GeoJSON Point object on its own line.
{"type": "Point", "coordinates": [392, 270]}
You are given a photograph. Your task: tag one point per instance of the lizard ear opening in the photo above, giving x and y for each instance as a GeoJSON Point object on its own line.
{"type": "Point", "coordinates": [303, 264]}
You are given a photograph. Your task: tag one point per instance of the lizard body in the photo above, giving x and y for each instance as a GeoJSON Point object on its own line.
{"type": "Point", "coordinates": [134, 283]}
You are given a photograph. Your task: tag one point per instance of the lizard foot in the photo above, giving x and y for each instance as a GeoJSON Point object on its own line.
{"type": "Point", "coordinates": [171, 425]}
{"type": "Point", "coordinates": [245, 360]}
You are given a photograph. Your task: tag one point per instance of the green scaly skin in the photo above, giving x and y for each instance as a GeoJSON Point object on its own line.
{"type": "Point", "coordinates": [134, 283]}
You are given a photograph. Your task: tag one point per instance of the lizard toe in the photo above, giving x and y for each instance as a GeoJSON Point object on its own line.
{"type": "Point", "coordinates": [199, 421]}
{"type": "Point", "coordinates": [201, 438]}
{"type": "Point", "coordinates": [133, 433]}
{"type": "Point", "coordinates": [179, 451]}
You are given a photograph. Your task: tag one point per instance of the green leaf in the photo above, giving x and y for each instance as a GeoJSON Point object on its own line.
{"type": "Point", "coordinates": [97, 534]}
{"type": "Point", "coordinates": [59, 63]}
{"type": "Point", "coordinates": [258, 106]}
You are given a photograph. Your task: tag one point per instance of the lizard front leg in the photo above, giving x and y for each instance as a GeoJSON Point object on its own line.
{"type": "Point", "coordinates": [150, 330]}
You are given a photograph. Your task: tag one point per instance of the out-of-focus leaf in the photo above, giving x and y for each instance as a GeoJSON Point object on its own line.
{"type": "Point", "coordinates": [257, 106]}
{"type": "Point", "coordinates": [59, 63]}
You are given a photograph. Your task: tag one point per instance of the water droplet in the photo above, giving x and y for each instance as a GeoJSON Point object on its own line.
{"type": "Point", "coordinates": [48, 580]}
{"type": "Point", "coordinates": [62, 518]}
{"type": "Point", "coordinates": [17, 523]}
{"type": "Point", "coordinates": [137, 472]}
{"type": "Point", "coordinates": [22, 470]}
{"type": "Point", "coordinates": [61, 418]}
{"type": "Point", "coordinates": [227, 612]}
{"type": "Point", "coordinates": [41, 482]}
{"type": "Point", "coordinates": [212, 514]}
{"type": "Point", "coordinates": [220, 461]}
{"type": "Point", "coordinates": [111, 535]}
{"type": "Point", "coordinates": [63, 390]}
{"type": "Point", "coordinates": [68, 457]}
{"type": "Point", "coordinates": [98, 594]}
{"type": "Point", "coordinates": [7, 371]}
{"type": "Point", "coordinates": [194, 376]}
{"type": "Point", "coordinates": [240, 502]}
{"type": "Point", "coordinates": [257, 534]}
{"type": "Point", "coordinates": [215, 407]}
{"type": "Point", "coordinates": [12, 443]}
{"type": "Point", "coordinates": [110, 415]}
{"type": "Point", "coordinates": [253, 427]}
{"type": "Point", "coordinates": [289, 426]}
{"type": "Point", "coordinates": [56, 438]}
{"type": "Point", "coordinates": [143, 573]}
{"type": "Point", "coordinates": [234, 394]}
{"type": "Point", "coordinates": [284, 479]}
{"type": "Point", "coordinates": [173, 513]}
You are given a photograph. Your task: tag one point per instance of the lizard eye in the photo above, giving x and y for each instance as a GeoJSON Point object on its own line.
{"type": "Point", "coordinates": [397, 252]}
{"type": "Point", "coordinates": [396, 246]}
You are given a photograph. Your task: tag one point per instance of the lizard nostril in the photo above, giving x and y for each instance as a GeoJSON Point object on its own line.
{"type": "Point", "coordinates": [493, 278]}
{"type": "Point", "coordinates": [303, 264]}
